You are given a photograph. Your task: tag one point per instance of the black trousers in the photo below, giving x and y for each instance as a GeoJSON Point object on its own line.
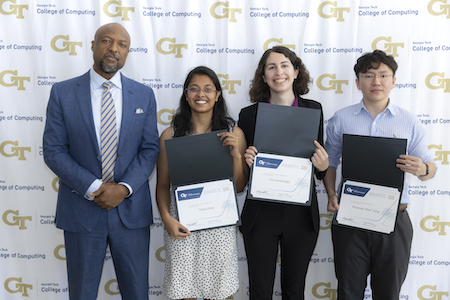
{"type": "Point", "coordinates": [291, 227]}
{"type": "Point", "coordinates": [358, 253]}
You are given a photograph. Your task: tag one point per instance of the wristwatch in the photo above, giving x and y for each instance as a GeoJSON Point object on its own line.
{"type": "Point", "coordinates": [427, 170]}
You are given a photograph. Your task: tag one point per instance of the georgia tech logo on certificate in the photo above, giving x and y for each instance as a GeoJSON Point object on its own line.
{"type": "Point", "coordinates": [329, 9]}
{"type": "Point", "coordinates": [439, 7]}
{"type": "Point", "coordinates": [120, 11]}
{"type": "Point", "coordinates": [437, 80]}
{"type": "Point", "coordinates": [433, 223]}
{"type": "Point", "coordinates": [281, 178]}
{"type": "Point", "coordinates": [207, 205]}
{"type": "Point", "coordinates": [323, 290]}
{"type": "Point", "coordinates": [385, 44]}
{"type": "Point", "coordinates": [368, 206]}
{"type": "Point", "coordinates": [13, 8]}
{"type": "Point", "coordinates": [227, 84]}
{"type": "Point", "coordinates": [333, 83]}
{"type": "Point", "coordinates": [14, 285]}
{"type": "Point", "coordinates": [430, 292]}
{"type": "Point", "coordinates": [13, 80]}
{"type": "Point", "coordinates": [17, 220]}
{"type": "Point", "coordinates": [276, 42]}
{"type": "Point", "coordinates": [173, 47]}
{"type": "Point", "coordinates": [67, 45]}
{"type": "Point", "coordinates": [222, 10]}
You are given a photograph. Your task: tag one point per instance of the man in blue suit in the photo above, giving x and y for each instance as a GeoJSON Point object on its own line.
{"type": "Point", "coordinates": [93, 210]}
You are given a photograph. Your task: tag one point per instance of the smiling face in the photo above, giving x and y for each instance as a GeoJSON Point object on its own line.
{"type": "Point", "coordinates": [279, 73]}
{"type": "Point", "coordinates": [201, 94]}
{"type": "Point", "coordinates": [110, 49]}
{"type": "Point", "coordinates": [376, 84]}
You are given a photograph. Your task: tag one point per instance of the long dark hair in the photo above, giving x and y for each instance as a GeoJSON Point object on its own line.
{"type": "Point", "coordinates": [181, 121]}
{"type": "Point", "coordinates": [260, 91]}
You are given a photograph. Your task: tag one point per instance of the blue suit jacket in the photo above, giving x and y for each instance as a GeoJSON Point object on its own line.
{"type": "Point", "coordinates": [71, 151]}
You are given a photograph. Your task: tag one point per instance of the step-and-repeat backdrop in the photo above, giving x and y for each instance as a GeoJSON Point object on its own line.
{"type": "Point", "coordinates": [46, 41]}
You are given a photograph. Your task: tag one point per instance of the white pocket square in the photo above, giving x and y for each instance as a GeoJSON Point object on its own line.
{"type": "Point", "coordinates": [138, 111]}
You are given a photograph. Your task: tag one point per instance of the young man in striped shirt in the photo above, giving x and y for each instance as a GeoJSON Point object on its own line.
{"type": "Point", "coordinates": [358, 253]}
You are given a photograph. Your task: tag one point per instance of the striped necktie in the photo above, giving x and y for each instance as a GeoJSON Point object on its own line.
{"type": "Point", "coordinates": [108, 134]}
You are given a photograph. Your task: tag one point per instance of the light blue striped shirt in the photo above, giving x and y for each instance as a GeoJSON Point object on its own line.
{"type": "Point", "coordinates": [393, 122]}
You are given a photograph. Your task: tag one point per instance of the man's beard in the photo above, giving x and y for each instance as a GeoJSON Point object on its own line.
{"type": "Point", "coordinates": [109, 69]}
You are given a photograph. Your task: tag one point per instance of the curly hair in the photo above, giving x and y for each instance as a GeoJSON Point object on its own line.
{"type": "Point", "coordinates": [260, 91]}
{"type": "Point", "coordinates": [373, 60]}
{"type": "Point", "coordinates": [181, 121]}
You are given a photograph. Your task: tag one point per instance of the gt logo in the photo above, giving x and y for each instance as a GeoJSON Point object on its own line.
{"type": "Point", "coordinates": [389, 47]}
{"type": "Point", "coordinates": [67, 46]}
{"type": "Point", "coordinates": [16, 219]}
{"type": "Point", "coordinates": [442, 82]}
{"type": "Point", "coordinates": [433, 294]}
{"type": "Point", "coordinates": [16, 9]}
{"type": "Point", "coordinates": [335, 12]}
{"type": "Point", "coordinates": [279, 42]}
{"type": "Point", "coordinates": [173, 48]}
{"type": "Point", "coordinates": [20, 287]}
{"type": "Point", "coordinates": [333, 84]}
{"type": "Point", "coordinates": [15, 151]}
{"type": "Point", "coordinates": [322, 290]}
{"type": "Point", "coordinates": [14, 80]}
{"type": "Point", "coordinates": [228, 85]}
{"type": "Point", "coordinates": [436, 225]}
{"type": "Point", "coordinates": [121, 11]}
{"type": "Point", "coordinates": [444, 8]}
{"type": "Point", "coordinates": [227, 12]}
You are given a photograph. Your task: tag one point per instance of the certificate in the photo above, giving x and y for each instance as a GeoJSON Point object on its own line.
{"type": "Point", "coordinates": [368, 206]}
{"type": "Point", "coordinates": [201, 172]}
{"type": "Point", "coordinates": [207, 205]}
{"type": "Point", "coordinates": [281, 178]}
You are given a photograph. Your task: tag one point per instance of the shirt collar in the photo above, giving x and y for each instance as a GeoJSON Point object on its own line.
{"type": "Point", "coordinates": [390, 108]}
{"type": "Point", "coordinates": [97, 80]}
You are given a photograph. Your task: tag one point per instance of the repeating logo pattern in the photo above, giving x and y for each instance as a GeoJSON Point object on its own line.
{"type": "Point", "coordinates": [9, 78]}
{"type": "Point", "coordinates": [15, 285]}
{"type": "Point", "coordinates": [12, 8]}
{"type": "Point", "coordinates": [173, 47]}
{"type": "Point", "coordinates": [332, 83]}
{"type": "Point", "coordinates": [430, 292]}
{"type": "Point", "coordinates": [114, 8]}
{"type": "Point", "coordinates": [13, 151]}
{"type": "Point", "coordinates": [433, 224]}
{"type": "Point", "coordinates": [385, 44]}
{"type": "Point", "coordinates": [323, 290]}
{"type": "Point", "coordinates": [12, 218]}
{"type": "Point", "coordinates": [330, 9]}
{"type": "Point", "coordinates": [439, 8]}
{"type": "Point", "coordinates": [67, 45]}
{"type": "Point", "coordinates": [437, 80]}
{"type": "Point", "coordinates": [222, 10]}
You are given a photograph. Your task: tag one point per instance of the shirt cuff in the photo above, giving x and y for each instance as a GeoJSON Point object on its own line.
{"type": "Point", "coordinates": [128, 187]}
{"type": "Point", "coordinates": [92, 188]}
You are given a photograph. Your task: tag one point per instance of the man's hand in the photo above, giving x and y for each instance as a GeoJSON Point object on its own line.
{"type": "Point", "coordinates": [411, 164]}
{"type": "Point", "coordinates": [110, 195]}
